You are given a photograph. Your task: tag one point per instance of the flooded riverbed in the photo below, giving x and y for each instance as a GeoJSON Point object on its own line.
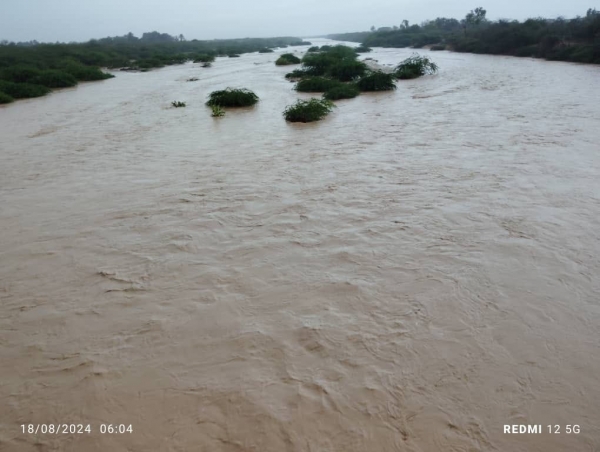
{"type": "Point", "coordinates": [410, 274]}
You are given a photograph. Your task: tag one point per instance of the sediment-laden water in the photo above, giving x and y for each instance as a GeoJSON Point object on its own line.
{"type": "Point", "coordinates": [410, 274]}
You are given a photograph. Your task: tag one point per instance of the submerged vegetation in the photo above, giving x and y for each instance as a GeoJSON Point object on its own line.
{"type": "Point", "coordinates": [178, 104]}
{"type": "Point", "coordinates": [217, 111]}
{"type": "Point", "coordinates": [576, 40]}
{"type": "Point", "coordinates": [231, 97]}
{"type": "Point", "coordinates": [308, 110]}
{"type": "Point", "coordinates": [343, 91]}
{"type": "Point", "coordinates": [287, 59]}
{"type": "Point", "coordinates": [42, 67]}
{"type": "Point", "coordinates": [376, 81]}
{"type": "Point", "coordinates": [316, 84]}
{"type": "Point", "coordinates": [415, 66]}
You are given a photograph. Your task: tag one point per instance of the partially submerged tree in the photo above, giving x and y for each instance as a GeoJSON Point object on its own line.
{"type": "Point", "coordinates": [316, 84]}
{"type": "Point", "coordinates": [376, 81]}
{"type": "Point", "coordinates": [178, 104]}
{"type": "Point", "coordinates": [343, 91]}
{"type": "Point", "coordinates": [415, 66]}
{"type": "Point", "coordinates": [308, 110]}
{"type": "Point", "coordinates": [231, 97]}
{"type": "Point", "coordinates": [287, 59]}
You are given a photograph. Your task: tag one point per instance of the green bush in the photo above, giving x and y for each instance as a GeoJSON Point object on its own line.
{"type": "Point", "coordinates": [345, 91]}
{"type": "Point", "coordinates": [308, 110]}
{"type": "Point", "coordinates": [5, 98]}
{"type": "Point", "coordinates": [54, 79]}
{"type": "Point", "coordinates": [85, 73]}
{"type": "Point", "coordinates": [362, 49]}
{"type": "Point", "coordinates": [415, 66]}
{"type": "Point", "coordinates": [287, 59]}
{"type": "Point", "coordinates": [265, 50]}
{"type": "Point", "coordinates": [296, 73]}
{"type": "Point", "coordinates": [232, 98]}
{"type": "Point", "coordinates": [316, 85]}
{"type": "Point", "coordinates": [23, 90]}
{"type": "Point", "coordinates": [347, 70]}
{"type": "Point", "coordinates": [19, 73]}
{"type": "Point", "coordinates": [313, 49]}
{"type": "Point", "coordinates": [203, 58]}
{"type": "Point", "coordinates": [376, 81]}
{"type": "Point", "coordinates": [206, 64]}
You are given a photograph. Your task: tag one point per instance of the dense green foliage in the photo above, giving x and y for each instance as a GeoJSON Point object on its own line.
{"type": "Point", "coordinates": [296, 73]}
{"type": "Point", "coordinates": [308, 110]}
{"type": "Point", "coordinates": [316, 84]}
{"type": "Point", "coordinates": [342, 91]}
{"type": "Point", "coordinates": [576, 40]}
{"type": "Point", "coordinates": [231, 97]}
{"type": "Point", "coordinates": [22, 90]}
{"type": "Point", "coordinates": [54, 79]}
{"type": "Point", "coordinates": [203, 58]}
{"type": "Point", "coordinates": [5, 98]}
{"type": "Point", "coordinates": [313, 49]}
{"type": "Point", "coordinates": [362, 49]}
{"type": "Point", "coordinates": [415, 66]}
{"type": "Point", "coordinates": [43, 66]}
{"type": "Point", "coordinates": [287, 59]}
{"type": "Point", "coordinates": [376, 81]}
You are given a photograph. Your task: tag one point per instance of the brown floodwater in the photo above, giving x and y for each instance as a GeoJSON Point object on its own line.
{"type": "Point", "coordinates": [410, 274]}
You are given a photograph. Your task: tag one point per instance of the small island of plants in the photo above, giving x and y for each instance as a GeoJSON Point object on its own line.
{"type": "Point", "coordinates": [308, 110]}
{"type": "Point", "coordinates": [287, 59]}
{"type": "Point", "coordinates": [232, 97]}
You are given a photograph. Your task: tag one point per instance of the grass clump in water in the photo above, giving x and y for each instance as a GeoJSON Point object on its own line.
{"type": "Point", "coordinates": [308, 110]}
{"type": "Point", "coordinates": [415, 66]}
{"type": "Point", "coordinates": [265, 50]}
{"type": "Point", "coordinates": [287, 59]}
{"type": "Point", "coordinates": [376, 81]}
{"type": "Point", "coordinates": [231, 97]}
{"type": "Point", "coordinates": [217, 111]}
{"type": "Point", "coordinates": [296, 74]}
{"type": "Point", "coordinates": [343, 91]}
{"type": "Point", "coordinates": [5, 98]}
{"type": "Point", "coordinates": [178, 104]}
{"type": "Point", "coordinates": [316, 85]}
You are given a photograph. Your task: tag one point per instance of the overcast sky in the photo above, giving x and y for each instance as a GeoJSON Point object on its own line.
{"type": "Point", "coordinates": [81, 20]}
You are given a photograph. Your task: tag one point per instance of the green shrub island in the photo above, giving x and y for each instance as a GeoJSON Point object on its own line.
{"type": "Point", "coordinates": [287, 59]}
{"type": "Point", "coordinates": [316, 84]}
{"type": "Point", "coordinates": [343, 91]}
{"type": "Point", "coordinates": [362, 49]}
{"type": "Point", "coordinates": [415, 66]}
{"type": "Point", "coordinates": [308, 110]}
{"type": "Point", "coordinates": [231, 97]}
{"type": "Point", "coordinates": [265, 50]}
{"type": "Point", "coordinates": [178, 104]}
{"type": "Point", "coordinates": [376, 81]}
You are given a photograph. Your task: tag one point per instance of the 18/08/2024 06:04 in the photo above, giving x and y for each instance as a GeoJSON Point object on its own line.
{"type": "Point", "coordinates": [57, 429]}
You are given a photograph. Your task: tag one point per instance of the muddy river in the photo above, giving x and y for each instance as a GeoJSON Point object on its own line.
{"type": "Point", "coordinates": [412, 273]}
